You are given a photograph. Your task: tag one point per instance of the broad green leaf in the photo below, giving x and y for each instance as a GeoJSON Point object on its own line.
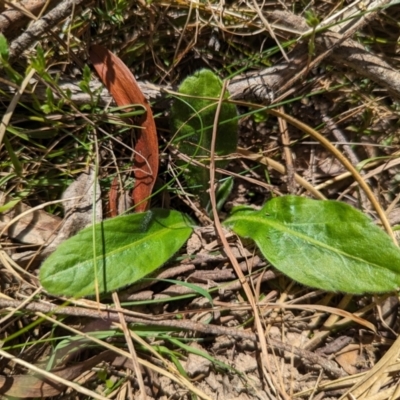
{"type": "Point", "coordinates": [322, 244]}
{"type": "Point", "coordinates": [127, 248]}
{"type": "Point", "coordinates": [192, 120]}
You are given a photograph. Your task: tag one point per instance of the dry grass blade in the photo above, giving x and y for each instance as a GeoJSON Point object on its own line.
{"type": "Point", "coordinates": [20, 307]}
{"type": "Point", "coordinates": [330, 310]}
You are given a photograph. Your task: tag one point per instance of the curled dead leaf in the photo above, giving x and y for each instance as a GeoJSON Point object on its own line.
{"type": "Point", "coordinates": [122, 85]}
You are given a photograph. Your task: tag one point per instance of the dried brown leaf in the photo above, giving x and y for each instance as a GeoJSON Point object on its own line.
{"type": "Point", "coordinates": [122, 85]}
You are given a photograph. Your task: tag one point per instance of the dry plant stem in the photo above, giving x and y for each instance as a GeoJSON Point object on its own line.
{"type": "Point", "coordinates": [11, 266]}
{"type": "Point", "coordinates": [210, 329]}
{"type": "Point", "coordinates": [249, 155]}
{"type": "Point", "coordinates": [334, 311]}
{"type": "Point", "coordinates": [177, 57]}
{"type": "Point", "coordinates": [34, 386]}
{"type": "Point", "coordinates": [396, 393]}
{"type": "Point", "coordinates": [375, 171]}
{"type": "Point", "coordinates": [52, 376]}
{"type": "Point", "coordinates": [174, 375]}
{"type": "Point", "coordinates": [151, 350]}
{"type": "Point", "coordinates": [327, 326]}
{"type": "Point", "coordinates": [340, 137]}
{"type": "Point", "coordinates": [230, 173]}
{"type": "Point", "coordinates": [131, 347]}
{"type": "Point", "coordinates": [348, 381]}
{"type": "Point", "coordinates": [22, 305]}
{"type": "Point", "coordinates": [340, 50]}
{"type": "Point", "coordinates": [348, 53]}
{"type": "Point", "coordinates": [393, 203]}
{"type": "Point", "coordinates": [31, 210]}
{"type": "Point", "coordinates": [20, 7]}
{"type": "Point", "coordinates": [232, 258]}
{"type": "Point", "coordinates": [316, 320]}
{"type": "Point", "coordinates": [346, 17]}
{"type": "Point", "coordinates": [288, 154]}
{"type": "Point", "coordinates": [42, 26]}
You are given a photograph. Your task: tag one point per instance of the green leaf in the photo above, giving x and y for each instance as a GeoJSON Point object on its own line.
{"type": "Point", "coordinates": [3, 47]}
{"type": "Point", "coordinates": [223, 191]}
{"type": "Point", "coordinates": [312, 19]}
{"type": "Point", "coordinates": [192, 120]}
{"type": "Point", "coordinates": [127, 248]}
{"type": "Point", "coordinates": [13, 157]}
{"type": "Point", "coordinates": [9, 205]}
{"type": "Point", "coordinates": [39, 63]}
{"type": "Point", "coordinates": [4, 54]}
{"type": "Point", "coordinates": [201, 353]}
{"type": "Point", "coordinates": [322, 244]}
{"type": "Point", "coordinates": [84, 84]}
{"type": "Point", "coordinates": [191, 286]}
